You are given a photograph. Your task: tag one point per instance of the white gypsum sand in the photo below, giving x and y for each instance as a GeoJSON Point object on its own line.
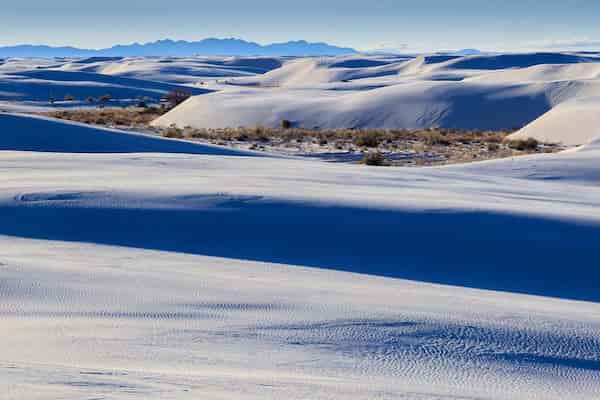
{"type": "Point", "coordinates": [127, 272]}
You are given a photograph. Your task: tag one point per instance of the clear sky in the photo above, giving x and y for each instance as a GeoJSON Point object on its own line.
{"type": "Point", "coordinates": [420, 25]}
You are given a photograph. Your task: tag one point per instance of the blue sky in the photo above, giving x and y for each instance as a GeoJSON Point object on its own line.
{"type": "Point", "coordinates": [366, 24]}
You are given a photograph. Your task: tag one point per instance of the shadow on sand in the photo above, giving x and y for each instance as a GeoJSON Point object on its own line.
{"type": "Point", "coordinates": [473, 249]}
{"type": "Point", "coordinates": [26, 133]}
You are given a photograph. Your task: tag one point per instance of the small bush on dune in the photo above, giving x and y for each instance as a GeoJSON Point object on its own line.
{"type": "Point", "coordinates": [374, 159]}
{"type": "Point", "coordinates": [286, 124]}
{"type": "Point", "coordinates": [68, 97]}
{"type": "Point", "coordinates": [529, 144]}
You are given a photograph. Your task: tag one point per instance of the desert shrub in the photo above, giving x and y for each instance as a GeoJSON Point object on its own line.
{"type": "Point", "coordinates": [177, 96]}
{"type": "Point", "coordinates": [90, 99]}
{"type": "Point", "coordinates": [374, 159]}
{"type": "Point", "coordinates": [493, 146]}
{"type": "Point", "coordinates": [367, 139]}
{"type": "Point", "coordinates": [68, 97]}
{"type": "Point", "coordinates": [173, 132]}
{"type": "Point", "coordinates": [105, 98]}
{"type": "Point", "coordinates": [529, 144]}
{"type": "Point", "coordinates": [286, 124]}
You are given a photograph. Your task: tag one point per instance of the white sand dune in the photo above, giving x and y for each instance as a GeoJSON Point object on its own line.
{"type": "Point", "coordinates": [190, 70]}
{"type": "Point", "coordinates": [473, 92]}
{"type": "Point", "coordinates": [408, 105]}
{"type": "Point", "coordinates": [574, 122]}
{"type": "Point", "coordinates": [37, 82]}
{"type": "Point", "coordinates": [185, 276]}
{"type": "Point", "coordinates": [495, 91]}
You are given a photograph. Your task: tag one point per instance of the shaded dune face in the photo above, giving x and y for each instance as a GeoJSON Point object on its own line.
{"type": "Point", "coordinates": [506, 61]}
{"type": "Point", "coordinates": [40, 85]}
{"type": "Point", "coordinates": [473, 249]}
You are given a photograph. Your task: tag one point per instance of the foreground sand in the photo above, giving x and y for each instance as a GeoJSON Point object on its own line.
{"type": "Point", "coordinates": [137, 274]}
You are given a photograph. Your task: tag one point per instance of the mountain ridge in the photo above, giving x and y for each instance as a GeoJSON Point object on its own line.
{"type": "Point", "coordinates": [169, 47]}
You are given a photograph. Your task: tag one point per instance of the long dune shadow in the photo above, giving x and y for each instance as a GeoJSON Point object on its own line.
{"type": "Point", "coordinates": [76, 76]}
{"type": "Point", "coordinates": [473, 249]}
{"type": "Point", "coordinates": [504, 61]}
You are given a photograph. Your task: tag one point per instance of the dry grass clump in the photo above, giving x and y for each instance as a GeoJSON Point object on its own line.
{"type": "Point", "coordinates": [174, 133]}
{"type": "Point", "coordinates": [367, 139]}
{"type": "Point", "coordinates": [529, 144]}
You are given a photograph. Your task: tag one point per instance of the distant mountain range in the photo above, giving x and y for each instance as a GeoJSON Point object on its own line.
{"type": "Point", "coordinates": [211, 46]}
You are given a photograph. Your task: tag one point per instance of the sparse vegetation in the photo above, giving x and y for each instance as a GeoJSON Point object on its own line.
{"type": "Point", "coordinates": [399, 147]}
{"type": "Point", "coordinates": [136, 117]}
{"type": "Point", "coordinates": [436, 138]}
{"type": "Point", "coordinates": [286, 124]}
{"type": "Point", "coordinates": [68, 97]}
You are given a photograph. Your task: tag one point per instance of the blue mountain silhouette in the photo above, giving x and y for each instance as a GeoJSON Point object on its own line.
{"type": "Point", "coordinates": [168, 47]}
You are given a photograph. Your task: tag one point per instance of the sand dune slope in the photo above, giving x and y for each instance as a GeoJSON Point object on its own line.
{"type": "Point", "coordinates": [507, 91]}
{"type": "Point", "coordinates": [179, 276]}
{"type": "Point", "coordinates": [575, 122]}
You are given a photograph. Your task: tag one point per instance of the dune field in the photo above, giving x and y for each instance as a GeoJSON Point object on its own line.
{"type": "Point", "coordinates": [134, 266]}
